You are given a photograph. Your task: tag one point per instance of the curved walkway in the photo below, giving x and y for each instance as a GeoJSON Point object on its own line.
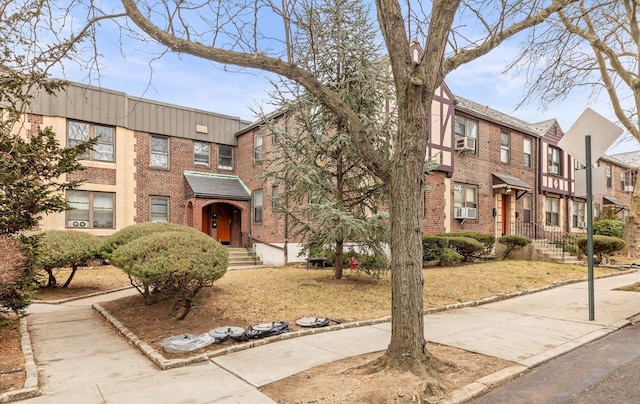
{"type": "Point", "coordinates": [82, 359]}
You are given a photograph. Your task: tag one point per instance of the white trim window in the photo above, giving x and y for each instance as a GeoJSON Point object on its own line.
{"type": "Point", "coordinates": [91, 210]}
{"type": "Point", "coordinates": [201, 154]}
{"type": "Point", "coordinates": [465, 195]}
{"type": "Point", "coordinates": [159, 211]}
{"type": "Point", "coordinates": [505, 147]}
{"type": "Point", "coordinates": [465, 127]}
{"type": "Point", "coordinates": [578, 214]}
{"type": "Point", "coordinates": [257, 206]}
{"type": "Point", "coordinates": [553, 161]}
{"type": "Point", "coordinates": [527, 153]}
{"type": "Point", "coordinates": [552, 211]}
{"type": "Point", "coordinates": [159, 152]}
{"type": "Point", "coordinates": [103, 150]}
{"type": "Point", "coordinates": [257, 146]}
{"type": "Point", "coordinates": [225, 157]}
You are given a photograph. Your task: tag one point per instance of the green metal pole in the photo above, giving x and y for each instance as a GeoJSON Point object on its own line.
{"type": "Point", "coordinates": [587, 144]}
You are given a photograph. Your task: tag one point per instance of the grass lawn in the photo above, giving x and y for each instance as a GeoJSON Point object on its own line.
{"type": "Point", "coordinates": [247, 297]}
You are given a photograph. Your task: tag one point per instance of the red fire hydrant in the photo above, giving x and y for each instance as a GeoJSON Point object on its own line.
{"type": "Point", "coordinates": [353, 263]}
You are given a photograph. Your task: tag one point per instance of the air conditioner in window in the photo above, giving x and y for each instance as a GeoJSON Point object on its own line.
{"type": "Point", "coordinates": [583, 225]}
{"type": "Point", "coordinates": [465, 144]}
{"type": "Point", "coordinates": [465, 213]}
{"type": "Point", "coordinates": [84, 224]}
{"type": "Point", "coordinates": [628, 188]}
{"type": "Point", "coordinates": [553, 169]}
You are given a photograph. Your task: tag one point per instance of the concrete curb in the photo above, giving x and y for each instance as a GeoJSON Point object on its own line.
{"type": "Point", "coordinates": [70, 299]}
{"type": "Point", "coordinates": [31, 388]}
{"type": "Point", "coordinates": [164, 363]}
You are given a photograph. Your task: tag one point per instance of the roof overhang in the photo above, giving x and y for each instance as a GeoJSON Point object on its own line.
{"type": "Point", "coordinates": [507, 183]}
{"type": "Point", "coordinates": [610, 200]}
{"type": "Point", "coordinates": [217, 186]}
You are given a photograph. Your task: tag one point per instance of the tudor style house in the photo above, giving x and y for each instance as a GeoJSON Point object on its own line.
{"type": "Point", "coordinates": [158, 162]}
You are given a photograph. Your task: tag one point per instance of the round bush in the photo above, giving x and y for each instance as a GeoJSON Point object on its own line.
{"type": "Point", "coordinates": [487, 240]}
{"type": "Point", "coordinates": [66, 248]}
{"type": "Point", "coordinates": [433, 247]}
{"type": "Point", "coordinates": [450, 257]}
{"type": "Point", "coordinates": [136, 231]}
{"type": "Point", "coordinates": [513, 242]}
{"type": "Point", "coordinates": [467, 247]}
{"type": "Point", "coordinates": [181, 263]}
{"type": "Point", "coordinates": [603, 246]}
{"type": "Point", "coordinates": [609, 227]}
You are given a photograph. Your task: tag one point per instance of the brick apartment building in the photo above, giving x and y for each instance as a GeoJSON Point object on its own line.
{"type": "Point", "coordinates": [158, 162]}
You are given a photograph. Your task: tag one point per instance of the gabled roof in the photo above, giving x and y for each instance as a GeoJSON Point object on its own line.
{"type": "Point", "coordinates": [217, 186]}
{"type": "Point", "coordinates": [631, 159]}
{"type": "Point", "coordinates": [543, 127]}
{"type": "Point", "coordinates": [486, 113]}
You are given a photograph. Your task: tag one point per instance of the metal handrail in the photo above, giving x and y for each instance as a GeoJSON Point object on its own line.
{"type": "Point", "coordinates": [551, 238]}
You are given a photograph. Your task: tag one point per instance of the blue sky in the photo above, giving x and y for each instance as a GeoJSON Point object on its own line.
{"type": "Point", "coordinates": [196, 83]}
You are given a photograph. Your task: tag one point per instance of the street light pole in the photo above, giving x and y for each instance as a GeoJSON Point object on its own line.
{"type": "Point", "coordinates": [587, 145]}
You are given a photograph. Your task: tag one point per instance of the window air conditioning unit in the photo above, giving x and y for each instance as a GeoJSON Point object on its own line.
{"type": "Point", "coordinates": [583, 225]}
{"type": "Point", "coordinates": [553, 169]}
{"type": "Point", "coordinates": [465, 144]}
{"type": "Point", "coordinates": [83, 224]}
{"type": "Point", "coordinates": [465, 213]}
{"type": "Point", "coordinates": [628, 188]}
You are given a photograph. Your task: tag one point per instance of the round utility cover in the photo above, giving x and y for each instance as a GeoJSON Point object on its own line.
{"type": "Point", "coordinates": [186, 342]}
{"type": "Point", "coordinates": [227, 331]}
{"type": "Point", "coordinates": [310, 321]}
{"type": "Point", "coordinates": [265, 326]}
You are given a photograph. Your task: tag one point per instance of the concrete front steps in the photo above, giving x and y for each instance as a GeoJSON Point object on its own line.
{"type": "Point", "coordinates": [243, 258]}
{"type": "Point", "coordinates": [544, 253]}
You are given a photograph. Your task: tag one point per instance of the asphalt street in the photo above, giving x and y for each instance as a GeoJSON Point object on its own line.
{"type": "Point", "coordinates": [604, 371]}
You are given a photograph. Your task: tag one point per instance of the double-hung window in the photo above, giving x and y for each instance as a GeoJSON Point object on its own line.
{"type": "Point", "coordinates": [91, 210]}
{"type": "Point", "coordinates": [225, 157]}
{"type": "Point", "coordinates": [505, 147]}
{"type": "Point", "coordinates": [624, 180]}
{"type": "Point", "coordinates": [553, 160]}
{"type": "Point", "coordinates": [466, 127]}
{"type": "Point", "coordinates": [257, 146]}
{"type": "Point", "coordinates": [159, 151]}
{"type": "Point", "coordinates": [609, 175]}
{"type": "Point", "coordinates": [465, 196]}
{"type": "Point", "coordinates": [159, 209]}
{"type": "Point", "coordinates": [578, 214]}
{"type": "Point", "coordinates": [527, 153]}
{"type": "Point", "coordinates": [103, 150]}
{"type": "Point", "coordinates": [552, 211]}
{"type": "Point", "coordinates": [257, 206]}
{"type": "Point", "coordinates": [201, 154]}
{"type": "Point", "coordinates": [526, 208]}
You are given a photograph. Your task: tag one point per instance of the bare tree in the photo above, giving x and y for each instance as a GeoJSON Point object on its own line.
{"type": "Point", "coordinates": [244, 34]}
{"type": "Point", "coordinates": [591, 46]}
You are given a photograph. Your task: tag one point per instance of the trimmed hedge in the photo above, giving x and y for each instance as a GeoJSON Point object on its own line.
{"type": "Point", "coordinates": [433, 247]}
{"type": "Point", "coordinates": [609, 227]}
{"type": "Point", "coordinates": [450, 257]}
{"type": "Point", "coordinates": [135, 231]}
{"type": "Point", "coordinates": [512, 243]}
{"type": "Point", "coordinates": [66, 248]}
{"type": "Point", "coordinates": [603, 246]}
{"type": "Point", "coordinates": [176, 262]}
{"type": "Point", "coordinates": [487, 240]}
{"type": "Point", "coordinates": [16, 280]}
{"type": "Point", "coordinates": [467, 247]}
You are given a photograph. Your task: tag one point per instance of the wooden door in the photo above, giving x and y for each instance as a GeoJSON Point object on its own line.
{"type": "Point", "coordinates": [224, 224]}
{"type": "Point", "coordinates": [505, 215]}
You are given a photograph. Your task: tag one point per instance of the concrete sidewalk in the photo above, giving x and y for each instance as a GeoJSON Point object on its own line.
{"type": "Point", "coordinates": [81, 359]}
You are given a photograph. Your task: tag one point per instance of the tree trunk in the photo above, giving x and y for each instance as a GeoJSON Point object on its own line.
{"type": "Point", "coordinates": [74, 268]}
{"type": "Point", "coordinates": [337, 266]}
{"type": "Point", "coordinates": [407, 349]}
{"type": "Point", "coordinates": [52, 281]}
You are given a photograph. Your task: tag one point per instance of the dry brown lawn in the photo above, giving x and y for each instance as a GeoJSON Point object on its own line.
{"type": "Point", "coordinates": [251, 296]}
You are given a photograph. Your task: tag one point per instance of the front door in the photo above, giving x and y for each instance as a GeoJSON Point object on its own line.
{"type": "Point", "coordinates": [224, 224]}
{"type": "Point", "coordinates": [505, 214]}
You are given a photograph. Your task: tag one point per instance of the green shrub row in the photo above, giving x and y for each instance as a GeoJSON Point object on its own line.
{"type": "Point", "coordinates": [449, 248]}
{"type": "Point", "coordinates": [603, 246]}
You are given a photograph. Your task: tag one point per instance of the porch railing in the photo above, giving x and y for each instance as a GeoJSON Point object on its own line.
{"type": "Point", "coordinates": [551, 238]}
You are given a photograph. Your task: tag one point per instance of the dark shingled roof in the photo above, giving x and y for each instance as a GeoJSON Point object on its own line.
{"type": "Point", "coordinates": [612, 201]}
{"type": "Point", "coordinates": [504, 180]}
{"type": "Point", "coordinates": [217, 186]}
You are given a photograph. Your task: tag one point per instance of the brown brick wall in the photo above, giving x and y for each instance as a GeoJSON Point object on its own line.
{"type": "Point", "coordinates": [477, 169]}
{"type": "Point", "coordinates": [433, 220]}
{"type": "Point", "coordinates": [271, 229]}
{"type": "Point", "coordinates": [93, 175]}
{"type": "Point", "coordinates": [152, 181]}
